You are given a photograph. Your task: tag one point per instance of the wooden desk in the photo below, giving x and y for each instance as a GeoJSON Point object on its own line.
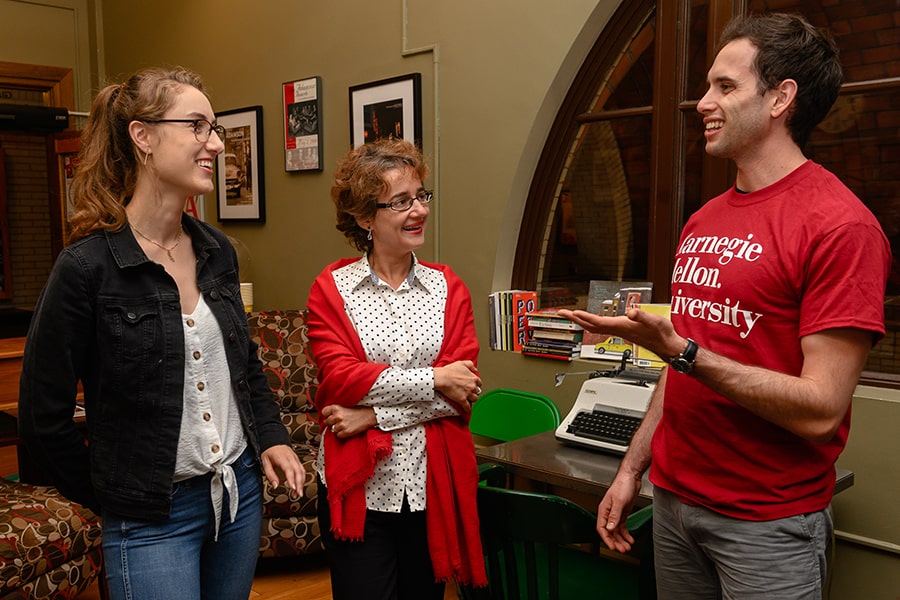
{"type": "Point", "coordinates": [563, 469]}
{"type": "Point", "coordinates": [8, 430]}
{"type": "Point", "coordinates": [11, 352]}
{"type": "Point", "coordinates": [542, 458]}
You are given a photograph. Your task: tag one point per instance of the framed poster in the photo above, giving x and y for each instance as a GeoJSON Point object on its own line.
{"type": "Point", "coordinates": [239, 169]}
{"type": "Point", "coordinates": [302, 101]}
{"type": "Point", "coordinates": [387, 108]}
{"type": "Point", "coordinates": [194, 207]}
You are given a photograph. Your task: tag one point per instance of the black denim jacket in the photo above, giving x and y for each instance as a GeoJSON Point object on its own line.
{"type": "Point", "coordinates": [111, 318]}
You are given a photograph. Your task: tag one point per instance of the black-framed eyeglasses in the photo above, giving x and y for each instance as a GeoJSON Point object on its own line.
{"type": "Point", "coordinates": [202, 128]}
{"type": "Point", "coordinates": [425, 197]}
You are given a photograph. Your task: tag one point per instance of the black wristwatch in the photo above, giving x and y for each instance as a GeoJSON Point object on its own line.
{"type": "Point", "coordinates": [684, 362]}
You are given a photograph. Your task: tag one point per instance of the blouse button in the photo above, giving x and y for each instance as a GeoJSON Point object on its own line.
{"type": "Point", "coordinates": [207, 416]}
{"type": "Point", "coordinates": [190, 322]}
{"type": "Point", "coordinates": [215, 448]}
{"type": "Point", "coordinates": [196, 355]}
{"type": "Point", "coordinates": [201, 386]}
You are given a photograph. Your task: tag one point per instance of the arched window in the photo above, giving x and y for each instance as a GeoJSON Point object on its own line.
{"type": "Point", "coordinates": [624, 164]}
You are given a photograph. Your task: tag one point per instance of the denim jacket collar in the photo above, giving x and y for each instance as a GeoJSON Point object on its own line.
{"type": "Point", "coordinates": [127, 252]}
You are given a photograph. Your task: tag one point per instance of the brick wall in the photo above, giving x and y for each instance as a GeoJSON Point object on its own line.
{"type": "Point", "coordinates": [27, 199]}
{"type": "Point", "coordinates": [885, 356]}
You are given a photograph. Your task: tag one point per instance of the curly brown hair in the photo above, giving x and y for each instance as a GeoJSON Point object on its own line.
{"type": "Point", "coordinates": [108, 164]}
{"type": "Point", "coordinates": [359, 181]}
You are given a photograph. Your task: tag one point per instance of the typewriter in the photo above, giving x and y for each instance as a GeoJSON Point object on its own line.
{"type": "Point", "coordinates": [608, 410]}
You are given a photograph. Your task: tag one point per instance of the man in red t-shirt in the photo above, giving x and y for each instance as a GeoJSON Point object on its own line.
{"type": "Point", "coordinates": [777, 298]}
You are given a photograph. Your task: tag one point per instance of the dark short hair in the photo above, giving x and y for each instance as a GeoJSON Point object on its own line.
{"type": "Point", "coordinates": [359, 181]}
{"type": "Point", "coordinates": [789, 47]}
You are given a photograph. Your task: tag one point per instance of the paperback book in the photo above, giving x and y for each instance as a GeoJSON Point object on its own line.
{"type": "Point", "coordinates": [642, 356]}
{"type": "Point", "coordinates": [508, 320]}
{"type": "Point", "coordinates": [550, 319]}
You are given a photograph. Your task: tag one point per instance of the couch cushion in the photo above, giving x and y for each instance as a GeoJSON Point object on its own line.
{"type": "Point", "coordinates": [304, 430]}
{"type": "Point", "coordinates": [290, 537]}
{"type": "Point", "coordinates": [277, 502]}
{"type": "Point", "coordinates": [283, 350]}
{"type": "Point", "coordinates": [45, 534]}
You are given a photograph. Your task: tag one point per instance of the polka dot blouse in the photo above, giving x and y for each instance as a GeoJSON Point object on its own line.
{"type": "Point", "coordinates": [403, 328]}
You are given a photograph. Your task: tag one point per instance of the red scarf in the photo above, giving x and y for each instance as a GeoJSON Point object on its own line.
{"type": "Point", "coordinates": [345, 376]}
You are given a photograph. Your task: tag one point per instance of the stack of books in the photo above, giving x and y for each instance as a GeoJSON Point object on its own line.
{"type": "Point", "coordinates": [552, 336]}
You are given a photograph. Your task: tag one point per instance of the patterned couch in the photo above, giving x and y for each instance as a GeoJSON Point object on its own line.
{"type": "Point", "coordinates": [290, 526]}
{"type": "Point", "coordinates": [49, 546]}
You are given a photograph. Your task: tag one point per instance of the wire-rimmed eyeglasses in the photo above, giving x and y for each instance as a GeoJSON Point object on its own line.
{"type": "Point", "coordinates": [202, 128]}
{"type": "Point", "coordinates": [424, 197]}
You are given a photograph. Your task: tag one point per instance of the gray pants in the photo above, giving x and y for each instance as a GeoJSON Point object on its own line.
{"type": "Point", "coordinates": [702, 555]}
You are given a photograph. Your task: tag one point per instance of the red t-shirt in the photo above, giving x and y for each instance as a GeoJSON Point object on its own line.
{"type": "Point", "coordinates": [754, 273]}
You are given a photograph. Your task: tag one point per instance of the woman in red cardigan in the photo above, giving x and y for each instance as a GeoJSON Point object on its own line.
{"type": "Point", "coordinates": [394, 341]}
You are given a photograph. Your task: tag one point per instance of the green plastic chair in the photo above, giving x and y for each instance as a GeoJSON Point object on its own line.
{"type": "Point", "coordinates": [505, 414]}
{"type": "Point", "coordinates": [530, 549]}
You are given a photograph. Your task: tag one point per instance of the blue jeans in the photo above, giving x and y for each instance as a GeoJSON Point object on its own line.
{"type": "Point", "coordinates": [703, 555]}
{"type": "Point", "coordinates": [179, 558]}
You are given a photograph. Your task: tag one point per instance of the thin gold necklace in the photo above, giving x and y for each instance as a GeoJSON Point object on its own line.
{"type": "Point", "coordinates": [158, 245]}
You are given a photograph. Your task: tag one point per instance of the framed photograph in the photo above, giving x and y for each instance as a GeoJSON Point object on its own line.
{"type": "Point", "coordinates": [302, 124]}
{"type": "Point", "coordinates": [239, 169]}
{"type": "Point", "coordinates": [387, 108]}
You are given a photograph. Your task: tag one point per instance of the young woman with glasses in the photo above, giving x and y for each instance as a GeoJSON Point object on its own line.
{"type": "Point", "coordinates": [143, 308]}
{"type": "Point", "coordinates": [394, 341]}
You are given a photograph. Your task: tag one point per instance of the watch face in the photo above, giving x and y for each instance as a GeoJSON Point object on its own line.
{"type": "Point", "coordinates": [681, 365]}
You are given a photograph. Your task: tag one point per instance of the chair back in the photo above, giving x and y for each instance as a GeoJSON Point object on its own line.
{"type": "Point", "coordinates": [543, 546]}
{"type": "Point", "coordinates": [505, 414]}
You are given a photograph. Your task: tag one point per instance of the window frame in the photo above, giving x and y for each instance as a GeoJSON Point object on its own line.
{"type": "Point", "coordinates": [667, 169]}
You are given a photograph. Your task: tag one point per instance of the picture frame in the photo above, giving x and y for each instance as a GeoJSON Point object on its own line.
{"type": "Point", "coordinates": [387, 108]}
{"type": "Point", "coordinates": [240, 186]}
{"type": "Point", "coordinates": [302, 106]}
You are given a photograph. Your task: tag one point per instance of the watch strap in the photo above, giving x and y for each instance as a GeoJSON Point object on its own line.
{"type": "Point", "coordinates": [684, 362]}
{"type": "Point", "coordinates": [690, 351]}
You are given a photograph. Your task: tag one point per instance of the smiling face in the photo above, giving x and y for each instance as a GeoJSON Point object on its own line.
{"type": "Point", "coordinates": [180, 164]}
{"type": "Point", "coordinates": [737, 118]}
{"type": "Point", "coordinates": [396, 233]}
